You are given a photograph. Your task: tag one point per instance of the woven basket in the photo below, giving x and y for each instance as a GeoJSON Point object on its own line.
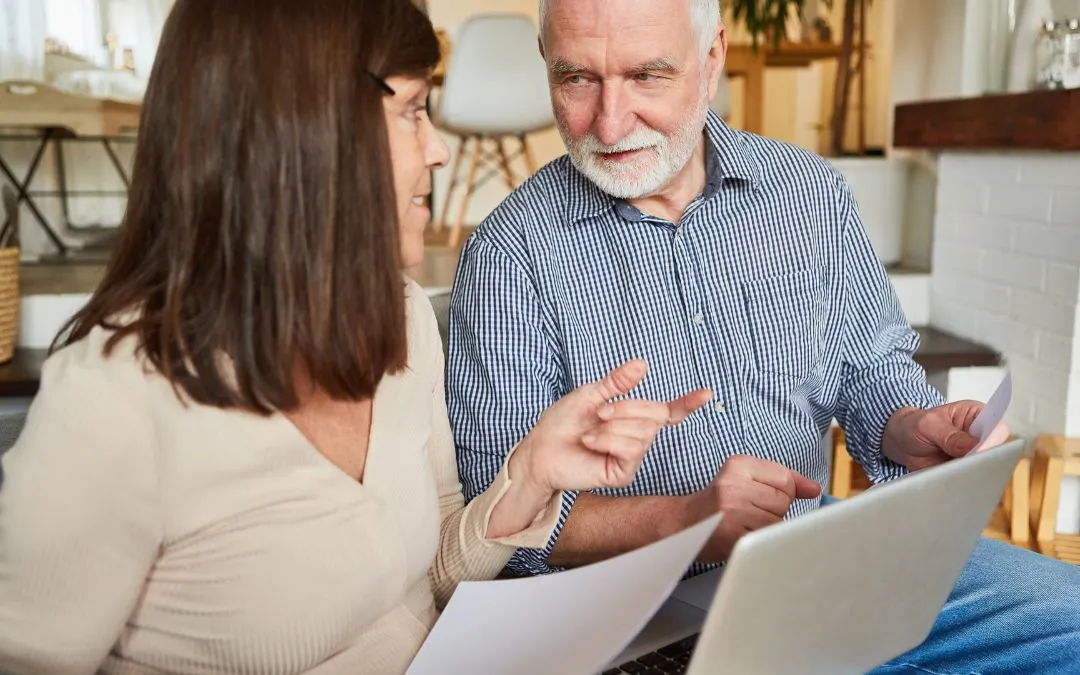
{"type": "Point", "coordinates": [9, 301]}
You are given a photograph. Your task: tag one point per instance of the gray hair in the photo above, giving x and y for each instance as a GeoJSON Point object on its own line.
{"type": "Point", "coordinates": [704, 17]}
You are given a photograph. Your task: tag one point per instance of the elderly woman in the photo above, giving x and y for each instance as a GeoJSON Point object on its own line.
{"type": "Point", "coordinates": [239, 460]}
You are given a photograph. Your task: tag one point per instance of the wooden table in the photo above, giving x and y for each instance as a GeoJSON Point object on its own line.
{"type": "Point", "coordinates": [744, 62]}
{"type": "Point", "coordinates": [52, 117]}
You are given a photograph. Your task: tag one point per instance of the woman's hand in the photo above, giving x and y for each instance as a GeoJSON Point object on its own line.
{"type": "Point", "coordinates": [585, 441]}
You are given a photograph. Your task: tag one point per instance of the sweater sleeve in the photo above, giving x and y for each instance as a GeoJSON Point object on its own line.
{"type": "Point", "coordinates": [79, 520]}
{"type": "Point", "coordinates": [465, 553]}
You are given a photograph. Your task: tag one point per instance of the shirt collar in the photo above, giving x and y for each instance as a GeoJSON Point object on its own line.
{"type": "Point", "coordinates": [727, 156]}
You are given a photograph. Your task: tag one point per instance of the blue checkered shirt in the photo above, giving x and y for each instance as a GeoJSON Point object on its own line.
{"type": "Point", "coordinates": [767, 291]}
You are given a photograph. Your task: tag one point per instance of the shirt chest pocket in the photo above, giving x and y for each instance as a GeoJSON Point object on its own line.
{"type": "Point", "coordinates": [786, 316]}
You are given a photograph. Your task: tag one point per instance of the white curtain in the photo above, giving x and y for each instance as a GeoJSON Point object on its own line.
{"type": "Point", "coordinates": [22, 39]}
{"type": "Point", "coordinates": [137, 25]}
{"type": "Point", "coordinates": [77, 24]}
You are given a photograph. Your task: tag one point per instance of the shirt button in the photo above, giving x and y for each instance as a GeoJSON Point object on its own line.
{"type": "Point", "coordinates": [720, 408]}
{"type": "Point", "coordinates": [699, 318]}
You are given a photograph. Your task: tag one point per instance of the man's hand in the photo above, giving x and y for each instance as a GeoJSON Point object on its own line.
{"type": "Point", "coordinates": [921, 438]}
{"type": "Point", "coordinates": [753, 493]}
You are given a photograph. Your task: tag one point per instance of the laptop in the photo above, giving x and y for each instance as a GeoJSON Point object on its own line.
{"type": "Point", "coordinates": [843, 589]}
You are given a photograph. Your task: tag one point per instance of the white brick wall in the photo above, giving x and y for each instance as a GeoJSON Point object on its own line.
{"type": "Point", "coordinates": [1006, 272]}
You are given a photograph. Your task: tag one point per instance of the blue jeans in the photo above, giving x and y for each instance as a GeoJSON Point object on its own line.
{"type": "Point", "coordinates": [1011, 611]}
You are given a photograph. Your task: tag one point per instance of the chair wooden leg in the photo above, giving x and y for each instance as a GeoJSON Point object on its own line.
{"type": "Point", "coordinates": [504, 160]}
{"type": "Point", "coordinates": [1018, 506]}
{"type": "Point", "coordinates": [470, 184]}
{"type": "Point", "coordinates": [530, 161]}
{"type": "Point", "coordinates": [841, 470]}
{"type": "Point", "coordinates": [1048, 510]}
{"type": "Point", "coordinates": [1035, 494]}
{"type": "Point", "coordinates": [455, 176]}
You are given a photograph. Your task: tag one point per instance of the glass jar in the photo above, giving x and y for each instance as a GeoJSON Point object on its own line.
{"type": "Point", "coordinates": [1050, 56]}
{"type": "Point", "coordinates": [1070, 76]}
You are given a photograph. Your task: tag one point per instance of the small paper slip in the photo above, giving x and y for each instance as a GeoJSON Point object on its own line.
{"type": "Point", "coordinates": [993, 412]}
{"type": "Point", "coordinates": [572, 623]}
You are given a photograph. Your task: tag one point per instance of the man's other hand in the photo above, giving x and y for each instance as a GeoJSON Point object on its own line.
{"type": "Point", "coordinates": [753, 493]}
{"type": "Point", "coordinates": [919, 439]}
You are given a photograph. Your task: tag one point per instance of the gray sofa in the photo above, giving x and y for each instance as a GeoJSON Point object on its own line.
{"type": "Point", "coordinates": [440, 302]}
{"type": "Point", "coordinates": [10, 428]}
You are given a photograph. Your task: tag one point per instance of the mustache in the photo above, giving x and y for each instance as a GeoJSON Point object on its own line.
{"type": "Point", "coordinates": [640, 139]}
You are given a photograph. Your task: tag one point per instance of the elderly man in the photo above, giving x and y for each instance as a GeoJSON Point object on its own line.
{"type": "Point", "coordinates": [730, 262]}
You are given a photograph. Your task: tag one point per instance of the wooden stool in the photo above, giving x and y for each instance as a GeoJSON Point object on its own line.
{"type": "Point", "coordinates": [1055, 458]}
{"type": "Point", "coordinates": [1009, 522]}
{"type": "Point", "coordinates": [848, 478]}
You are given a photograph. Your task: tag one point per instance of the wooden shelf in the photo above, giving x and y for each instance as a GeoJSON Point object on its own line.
{"type": "Point", "coordinates": [940, 351]}
{"type": "Point", "coordinates": [1036, 120]}
{"type": "Point", "coordinates": [937, 351]}
{"type": "Point", "coordinates": [20, 377]}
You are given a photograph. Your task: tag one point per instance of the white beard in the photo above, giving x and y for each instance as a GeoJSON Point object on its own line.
{"type": "Point", "coordinates": [660, 160]}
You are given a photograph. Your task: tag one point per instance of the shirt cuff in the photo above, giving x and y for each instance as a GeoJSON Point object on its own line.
{"type": "Point", "coordinates": [865, 443]}
{"type": "Point", "coordinates": [536, 535]}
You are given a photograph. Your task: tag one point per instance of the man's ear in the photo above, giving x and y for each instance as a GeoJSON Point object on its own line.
{"type": "Point", "coordinates": [717, 59]}
{"type": "Point", "coordinates": [540, 46]}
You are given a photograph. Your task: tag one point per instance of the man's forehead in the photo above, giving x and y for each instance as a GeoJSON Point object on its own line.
{"type": "Point", "coordinates": [607, 18]}
{"type": "Point", "coordinates": [596, 38]}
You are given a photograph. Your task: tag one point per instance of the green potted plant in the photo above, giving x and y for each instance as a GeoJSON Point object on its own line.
{"type": "Point", "coordinates": [767, 21]}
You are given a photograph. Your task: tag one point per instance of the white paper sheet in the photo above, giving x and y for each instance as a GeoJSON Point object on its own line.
{"type": "Point", "coordinates": [571, 623]}
{"type": "Point", "coordinates": [993, 412]}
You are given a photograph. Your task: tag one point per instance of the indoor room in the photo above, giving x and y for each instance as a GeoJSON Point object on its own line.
{"type": "Point", "coordinates": [940, 137]}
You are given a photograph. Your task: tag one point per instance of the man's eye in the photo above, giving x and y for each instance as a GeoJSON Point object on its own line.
{"type": "Point", "coordinates": [644, 77]}
{"type": "Point", "coordinates": [575, 79]}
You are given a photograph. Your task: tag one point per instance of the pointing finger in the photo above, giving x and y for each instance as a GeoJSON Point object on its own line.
{"type": "Point", "coordinates": [680, 408]}
{"type": "Point", "coordinates": [634, 409]}
{"type": "Point", "coordinates": [622, 379]}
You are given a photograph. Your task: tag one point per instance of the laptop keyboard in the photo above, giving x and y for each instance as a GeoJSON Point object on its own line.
{"type": "Point", "coordinates": [670, 660]}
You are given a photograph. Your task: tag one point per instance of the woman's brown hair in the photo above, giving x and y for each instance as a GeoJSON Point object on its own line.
{"type": "Point", "coordinates": [261, 222]}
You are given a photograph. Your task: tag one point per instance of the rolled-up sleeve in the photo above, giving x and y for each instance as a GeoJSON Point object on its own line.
{"type": "Point", "coordinates": [880, 375]}
{"type": "Point", "coordinates": [502, 374]}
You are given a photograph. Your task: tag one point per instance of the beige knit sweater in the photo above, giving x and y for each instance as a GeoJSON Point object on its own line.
{"type": "Point", "coordinates": [141, 535]}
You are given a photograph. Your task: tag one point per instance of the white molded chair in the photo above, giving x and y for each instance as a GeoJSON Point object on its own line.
{"type": "Point", "coordinates": [721, 103]}
{"type": "Point", "coordinates": [496, 87]}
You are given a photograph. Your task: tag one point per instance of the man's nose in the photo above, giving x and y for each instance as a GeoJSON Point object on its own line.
{"type": "Point", "coordinates": [615, 120]}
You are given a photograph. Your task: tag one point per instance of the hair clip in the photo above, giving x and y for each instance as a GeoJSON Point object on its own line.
{"type": "Point", "coordinates": [382, 84]}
